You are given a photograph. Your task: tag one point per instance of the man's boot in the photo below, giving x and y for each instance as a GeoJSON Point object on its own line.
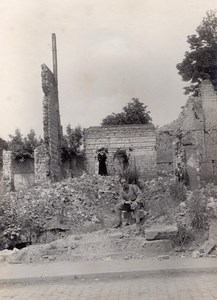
{"type": "Point", "coordinates": [119, 217]}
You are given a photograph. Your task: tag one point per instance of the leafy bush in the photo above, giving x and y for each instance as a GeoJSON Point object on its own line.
{"type": "Point", "coordinates": [197, 204]}
{"type": "Point", "coordinates": [178, 191]}
{"type": "Point", "coordinates": [183, 236]}
{"type": "Point", "coordinates": [21, 222]}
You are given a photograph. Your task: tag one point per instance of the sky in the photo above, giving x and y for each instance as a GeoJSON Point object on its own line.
{"type": "Point", "coordinates": [109, 51]}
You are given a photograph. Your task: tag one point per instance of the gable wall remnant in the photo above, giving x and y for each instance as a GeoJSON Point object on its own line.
{"type": "Point", "coordinates": [140, 138]}
{"type": "Point", "coordinates": [52, 131]}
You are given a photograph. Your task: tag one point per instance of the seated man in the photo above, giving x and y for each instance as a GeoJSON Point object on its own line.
{"type": "Point", "coordinates": [130, 200]}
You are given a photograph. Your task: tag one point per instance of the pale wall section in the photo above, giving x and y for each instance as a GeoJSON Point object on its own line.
{"type": "Point", "coordinates": [141, 138]}
{"type": "Point", "coordinates": [24, 176]}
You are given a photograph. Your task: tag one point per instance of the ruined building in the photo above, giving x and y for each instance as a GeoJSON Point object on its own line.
{"type": "Point", "coordinates": [191, 140]}
{"type": "Point", "coordinates": [138, 141]}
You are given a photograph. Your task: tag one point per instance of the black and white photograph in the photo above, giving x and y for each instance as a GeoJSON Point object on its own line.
{"type": "Point", "coordinates": [108, 150]}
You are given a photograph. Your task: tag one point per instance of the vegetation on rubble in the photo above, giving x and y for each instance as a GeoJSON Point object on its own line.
{"type": "Point", "coordinates": [197, 204]}
{"type": "Point", "coordinates": [200, 62]}
{"type": "Point", "coordinates": [22, 147]}
{"type": "Point", "coordinates": [184, 236]}
{"type": "Point", "coordinates": [178, 192]}
{"type": "Point", "coordinates": [135, 112]}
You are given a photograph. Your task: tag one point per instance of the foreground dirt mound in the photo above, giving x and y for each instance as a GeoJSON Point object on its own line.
{"type": "Point", "coordinates": [104, 244]}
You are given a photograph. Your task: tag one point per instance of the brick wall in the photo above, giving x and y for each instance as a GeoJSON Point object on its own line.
{"type": "Point", "coordinates": [41, 164]}
{"type": "Point", "coordinates": [141, 138]}
{"type": "Point", "coordinates": [209, 102]}
{"type": "Point", "coordinates": [52, 130]}
{"type": "Point", "coordinates": [209, 162]}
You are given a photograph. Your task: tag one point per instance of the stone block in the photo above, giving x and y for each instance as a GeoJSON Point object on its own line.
{"type": "Point", "coordinates": [116, 235]}
{"type": "Point", "coordinates": [213, 230]}
{"type": "Point", "coordinates": [207, 247]}
{"type": "Point", "coordinates": [195, 254]}
{"type": "Point", "coordinates": [158, 246]}
{"type": "Point", "coordinates": [159, 233]}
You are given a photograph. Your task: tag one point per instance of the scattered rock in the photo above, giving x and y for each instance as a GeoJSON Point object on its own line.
{"type": "Point", "coordinates": [158, 246]}
{"type": "Point", "coordinates": [207, 247]}
{"type": "Point", "coordinates": [159, 233]}
{"type": "Point", "coordinates": [161, 257]}
{"type": "Point", "coordinates": [51, 258]}
{"type": "Point", "coordinates": [126, 257]}
{"type": "Point", "coordinates": [118, 235]}
{"type": "Point", "coordinates": [196, 254]}
{"type": "Point", "coordinates": [107, 258]}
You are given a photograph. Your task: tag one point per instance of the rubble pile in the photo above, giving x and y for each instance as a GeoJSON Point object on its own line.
{"type": "Point", "coordinates": [75, 204]}
{"type": "Point", "coordinates": [80, 213]}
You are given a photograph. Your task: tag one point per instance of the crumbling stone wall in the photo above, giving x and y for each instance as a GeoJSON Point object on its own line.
{"type": "Point", "coordinates": [7, 173]}
{"type": "Point", "coordinates": [140, 138]}
{"type": "Point", "coordinates": [52, 131]}
{"type": "Point", "coordinates": [3, 146]}
{"type": "Point", "coordinates": [16, 174]}
{"type": "Point", "coordinates": [209, 161]}
{"type": "Point", "coordinates": [41, 164]}
{"type": "Point", "coordinates": [194, 135]}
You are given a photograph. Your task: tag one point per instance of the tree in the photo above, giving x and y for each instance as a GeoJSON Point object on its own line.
{"type": "Point", "coordinates": [135, 112]}
{"type": "Point", "coordinates": [71, 143]}
{"type": "Point", "coordinates": [23, 147]}
{"type": "Point", "coordinates": [31, 142]}
{"type": "Point", "coordinates": [201, 61]}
